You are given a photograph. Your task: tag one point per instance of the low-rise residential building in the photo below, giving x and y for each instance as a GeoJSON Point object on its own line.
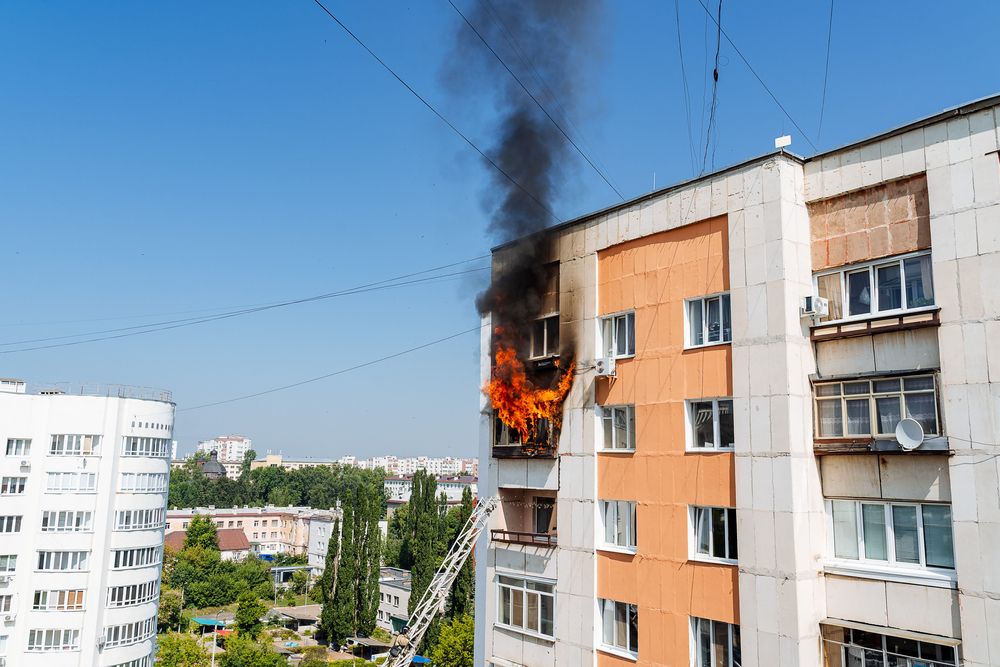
{"type": "Point", "coordinates": [393, 598]}
{"type": "Point", "coordinates": [280, 461]}
{"type": "Point", "coordinates": [233, 543]}
{"type": "Point", "coordinates": [780, 448]}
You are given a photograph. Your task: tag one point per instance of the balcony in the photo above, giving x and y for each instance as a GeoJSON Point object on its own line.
{"type": "Point", "coordinates": [528, 518]}
{"type": "Point", "coordinates": [508, 444]}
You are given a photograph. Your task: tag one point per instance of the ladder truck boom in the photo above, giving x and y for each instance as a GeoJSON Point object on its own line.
{"type": "Point", "coordinates": [404, 646]}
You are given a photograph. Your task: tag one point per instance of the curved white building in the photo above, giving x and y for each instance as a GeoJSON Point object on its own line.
{"type": "Point", "coordinates": [83, 491]}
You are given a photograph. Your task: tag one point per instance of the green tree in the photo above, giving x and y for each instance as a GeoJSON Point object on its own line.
{"type": "Point", "coordinates": [177, 649]}
{"type": "Point", "coordinates": [369, 499]}
{"type": "Point", "coordinates": [314, 656]}
{"type": "Point", "coordinates": [248, 458]}
{"type": "Point", "coordinates": [171, 605]}
{"type": "Point", "coordinates": [455, 644]}
{"type": "Point", "coordinates": [345, 593]}
{"type": "Point", "coordinates": [424, 529]}
{"type": "Point", "coordinates": [328, 582]}
{"type": "Point", "coordinates": [244, 651]}
{"type": "Point", "coordinates": [248, 614]}
{"type": "Point", "coordinates": [201, 533]}
{"type": "Point", "coordinates": [300, 582]}
{"type": "Point", "coordinates": [460, 602]}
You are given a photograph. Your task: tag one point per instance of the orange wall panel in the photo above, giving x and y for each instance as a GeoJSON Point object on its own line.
{"type": "Point", "coordinates": [653, 276]}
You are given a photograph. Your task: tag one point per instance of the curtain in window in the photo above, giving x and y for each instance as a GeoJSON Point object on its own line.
{"type": "Point", "coordinates": [888, 414]}
{"type": "Point", "coordinates": [859, 417]}
{"type": "Point", "coordinates": [714, 320]}
{"type": "Point", "coordinates": [608, 622]}
{"type": "Point", "coordinates": [621, 428]}
{"type": "Point", "coordinates": [830, 418]}
{"type": "Point", "coordinates": [828, 287]}
{"type": "Point", "coordinates": [697, 336]}
{"type": "Point", "coordinates": [704, 430]}
{"type": "Point", "coordinates": [921, 407]}
{"type": "Point", "coordinates": [919, 286]}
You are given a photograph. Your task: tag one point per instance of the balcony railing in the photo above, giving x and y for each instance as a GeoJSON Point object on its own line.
{"type": "Point", "coordinates": [521, 537]}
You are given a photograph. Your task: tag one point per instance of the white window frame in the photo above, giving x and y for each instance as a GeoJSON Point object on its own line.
{"type": "Point", "coordinates": [59, 600]}
{"type": "Point", "coordinates": [156, 448]}
{"type": "Point", "coordinates": [51, 561]}
{"type": "Point", "coordinates": [547, 349]}
{"type": "Point", "coordinates": [144, 482]}
{"type": "Point", "coordinates": [10, 524]}
{"type": "Point", "coordinates": [71, 482]}
{"type": "Point", "coordinates": [8, 563]}
{"type": "Point", "coordinates": [52, 640]}
{"type": "Point", "coordinates": [890, 569]}
{"type": "Point", "coordinates": [723, 298]}
{"type": "Point", "coordinates": [18, 447]}
{"type": "Point", "coordinates": [717, 445]}
{"type": "Point", "coordinates": [695, 512]}
{"type": "Point", "coordinates": [129, 595]}
{"type": "Point", "coordinates": [605, 413]}
{"type": "Point", "coordinates": [127, 634]}
{"type": "Point", "coordinates": [622, 651]}
{"type": "Point", "coordinates": [696, 639]}
{"type": "Point", "coordinates": [136, 557]}
{"type": "Point", "coordinates": [12, 485]}
{"type": "Point", "coordinates": [524, 590]}
{"type": "Point", "coordinates": [149, 518]}
{"type": "Point", "coordinates": [67, 521]}
{"type": "Point", "coordinates": [6, 602]}
{"type": "Point", "coordinates": [75, 444]}
{"type": "Point", "coordinates": [844, 648]}
{"type": "Point", "coordinates": [631, 525]}
{"type": "Point", "coordinates": [872, 396]}
{"type": "Point", "coordinates": [609, 334]}
{"type": "Point", "coordinates": [872, 269]}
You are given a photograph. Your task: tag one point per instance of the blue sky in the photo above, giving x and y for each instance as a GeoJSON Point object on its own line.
{"type": "Point", "coordinates": [165, 158]}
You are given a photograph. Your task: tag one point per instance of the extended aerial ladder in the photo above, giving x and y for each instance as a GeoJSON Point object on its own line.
{"type": "Point", "coordinates": [404, 645]}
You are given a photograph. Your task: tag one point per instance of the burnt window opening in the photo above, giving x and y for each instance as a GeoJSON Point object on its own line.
{"type": "Point", "coordinates": [542, 436]}
{"type": "Point", "coordinates": [544, 339]}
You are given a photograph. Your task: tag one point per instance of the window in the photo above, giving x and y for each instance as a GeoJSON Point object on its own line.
{"type": "Point", "coordinates": [716, 644]}
{"type": "Point", "coordinates": [126, 559]}
{"type": "Point", "coordinates": [618, 334]}
{"type": "Point", "coordinates": [619, 426]}
{"type": "Point", "coordinates": [874, 650]}
{"type": "Point", "coordinates": [877, 288]}
{"type": "Point", "coordinates": [10, 523]}
{"type": "Point", "coordinates": [544, 337]}
{"type": "Point", "coordinates": [40, 641]}
{"type": "Point", "coordinates": [714, 532]}
{"type": "Point", "coordinates": [71, 482]}
{"type": "Point", "coordinates": [873, 408]}
{"type": "Point", "coordinates": [5, 602]}
{"type": "Point", "coordinates": [901, 534]}
{"type": "Point", "coordinates": [145, 661]}
{"type": "Point", "coordinates": [148, 447]}
{"type": "Point", "coordinates": [66, 521]}
{"type": "Point", "coordinates": [619, 625]}
{"type": "Point", "coordinates": [139, 519]}
{"type": "Point", "coordinates": [544, 509]}
{"type": "Point", "coordinates": [58, 561]}
{"type": "Point", "coordinates": [12, 486]}
{"type": "Point", "coordinates": [75, 445]}
{"type": "Point", "coordinates": [8, 562]}
{"type": "Point", "coordinates": [526, 604]}
{"type": "Point", "coordinates": [18, 446]}
{"type": "Point", "coordinates": [71, 600]}
{"type": "Point", "coordinates": [129, 633]}
{"type": "Point", "coordinates": [133, 594]}
{"type": "Point", "coordinates": [619, 523]}
{"type": "Point", "coordinates": [144, 482]}
{"type": "Point", "coordinates": [712, 424]}
{"type": "Point", "coordinates": [709, 321]}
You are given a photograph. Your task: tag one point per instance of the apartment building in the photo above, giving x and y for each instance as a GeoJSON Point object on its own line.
{"type": "Point", "coordinates": [231, 449]}
{"type": "Point", "coordinates": [394, 587]}
{"type": "Point", "coordinates": [269, 530]}
{"type": "Point", "coordinates": [400, 488]}
{"type": "Point", "coordinates": [84, 474]}
{"type": "Point", "coordinates": [781, 447]}
{"type": "Point", "coordinates": [279, 461]}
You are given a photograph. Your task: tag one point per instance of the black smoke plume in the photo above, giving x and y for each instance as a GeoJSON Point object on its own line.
{"type": "Point", "coordinates": [544, 43]}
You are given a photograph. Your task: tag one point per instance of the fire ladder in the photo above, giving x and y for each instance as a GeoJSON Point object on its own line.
{"type": "Point", "coordinates": [404, 646]}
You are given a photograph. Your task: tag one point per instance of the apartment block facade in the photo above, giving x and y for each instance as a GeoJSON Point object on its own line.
{"type": "Point", "coordinates": [732, 485]}
{"type": "Point", "coordinates": [83, 495]}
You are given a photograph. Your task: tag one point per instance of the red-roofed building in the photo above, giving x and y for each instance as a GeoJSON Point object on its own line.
{"type": "Point", "coordinates": [233, 542]}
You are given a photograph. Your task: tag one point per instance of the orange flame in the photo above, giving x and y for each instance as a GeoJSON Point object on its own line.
{"type": "Point", "coordinates": [517, 402]}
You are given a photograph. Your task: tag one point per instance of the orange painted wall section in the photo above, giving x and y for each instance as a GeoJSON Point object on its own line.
{"type": "Point", "coordinates": [654, 276]}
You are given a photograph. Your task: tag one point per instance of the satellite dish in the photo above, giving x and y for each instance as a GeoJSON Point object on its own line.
{"type": "Point", "coordinates": [909, 434]}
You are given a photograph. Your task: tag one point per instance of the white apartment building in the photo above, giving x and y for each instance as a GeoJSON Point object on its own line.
{"type": "Point", "coordinates": [400, 488]}
{"type": "Point", "coordinates": [83, 494]}
{"type": "Point", "coordinates": [394, 587]}
{"type": "Point", "coordinates": [746, 475]}
{"type": "Point", "coordinates": [231, 449]}
{"type": "Point", "coordinates": [393, 465]}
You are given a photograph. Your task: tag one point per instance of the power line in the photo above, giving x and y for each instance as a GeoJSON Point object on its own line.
{"type": "Point", "coordinates": [335, 373]}
{"type": "Point", "coordinates": [757, 76]}
{"type": "Point", "coordinates": [437, 113]}
{"type": "Point", "coordinates": [826, 71]}
{"type": "Point", "coordinates": [684, 81]}
{"type": "Point", "coordinates": [534, 99]}
{"type": "Point", "coordinates": [124, 332]}
{"type": "Point", "coordinates": [715, 93]}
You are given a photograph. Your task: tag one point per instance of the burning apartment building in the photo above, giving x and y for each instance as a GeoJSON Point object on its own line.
{"type": "Point", "coordinates": [750, 419]}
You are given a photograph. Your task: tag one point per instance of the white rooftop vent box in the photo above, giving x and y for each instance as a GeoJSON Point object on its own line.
{"type": "Point", "coordinates": [605, 367]}
{"type": "Point", "coordinates": [814, 306]}
{"type": "Point", "coordinates": [12, 385]}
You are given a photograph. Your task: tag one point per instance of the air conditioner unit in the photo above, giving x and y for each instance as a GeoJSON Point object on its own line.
{"type": "Point", "coordinates": [9, 618]}
{"type": "Point", "coordinates": [605, 367]}
{"type": "Point", "coordinates": [25, 463]}
{"type": "Point", "coordinates": [814, 306]}
{"type": "Point", "coordinates": [6, 578]}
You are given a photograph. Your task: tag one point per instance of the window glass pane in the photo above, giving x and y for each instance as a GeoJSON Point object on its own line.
{"type": "Point", "coordinates": [547, 615]}
{"type": "Point", "coordinates": [517, 618]}
{"type": "Point", "coordinates": [606, 419]}
{"type": "Point", "coordinates": [631, 428]}
{"type": "Point", "coordinates": [828, 389]}
{"type": "Point", "coordinates": [919, 286]}
{"type": "Point", "coordinates": [633, 628]}
{"type": "Point", "coordinates": [608, 622]}
{"type": "Point", "coordinates": [855, 388]}
{"type": "Point", "coordinates": [621, 336]}
{"type": "Point", "coordinates": [830, 418]}
{"type": "Point", "coordinates": [704, 643]}
{"type": "Point", "coordinates": [921, 407]}
{"type": "Point", "coordinates": [622, 521]}
{"type": "Point", "coordinates": [531, 612]}
{"type": "Point", "coordinates": [731, 525]}
{"type": "Point", "coordinates": [890, 288]}
{"type": "Point", "coordinates": [696, 335]}
{"type": "Point", "coordinates": [630, 319]}
{"type": "Point", "coordinates": [918, 383]}
{"type": "Point", "coordinates": [552, 335]}
{"type": "Point", "coordinates": [714, 320]}
{"type": "Point", "coordinates": [727, 324]}
{"type": "Point", "coordinates": [904, 528]}
{"type": "Point", "coordinates": [845, 529]}
{"type": "Point", "coordinates": [621, 625]}
{"type": "Point", "coordinates": [858, 417]}
{"type": "Point", "coordinates": [719, 532]}
{"type": "Point", "coordinates": [859, 297]}
{"type": "Point", "coordinates": [937, 652]}
{"type": "Point", "coordinates": [609, 522]}
{"type": "Point", "coordinates": [938, 548]}
{"type": "Point", "coordinates": [887, 414]}
{"type": "Point", "coordinates": [720, 641]}
{"type": "Point", "coordinates": [883, 386]}
{"type": "Point", "coordinates": [703, 529]}
{"type": "Point", "coordinates": [505, 605]}
{"type": "Point", "coordinates": [873, 522]}
{"type": "Point", "coordinates": [737, 651]}
{"type": "Point", "coordinates": [621, 428]}
{"type": "Point", "coordinates": [727, 436]}
{"type": "Point", "coordinates": [607, 335]}
{"type": "Point", "coordinates": [828, 287]}
{"type": "Point", "coordinates": [704, 424]}
{"type": "Point", "coordinates": [537, 338]}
